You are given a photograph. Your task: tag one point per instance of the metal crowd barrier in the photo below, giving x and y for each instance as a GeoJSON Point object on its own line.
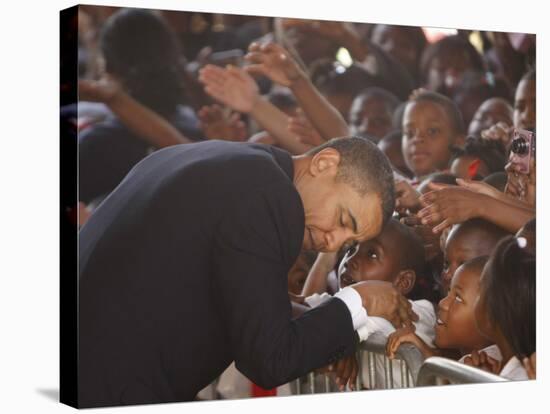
{"type": "Point", "coordinates": [408, 359]}
{"type": "Point", "coordinates": [453, 371]}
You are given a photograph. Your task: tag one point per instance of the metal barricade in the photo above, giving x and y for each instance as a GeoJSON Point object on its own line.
{"type": "Point", "coordinates": [453, 371]}
{"type": "Point", "coordinates": [381, 371]}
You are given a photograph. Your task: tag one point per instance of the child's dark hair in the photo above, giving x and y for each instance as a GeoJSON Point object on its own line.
{"type": "Point", "coordinates": [282, 99]}
{"type": "Point", "coordinates": [450, 108]}
{"type": "Point", "coordinates": [331, 77]}
{"type": "Point", "coordinates": [530, 75]}
{"type": "Point", "coordinates": [397, 120]}
{"type": "Point", "coordinates": [509, 284]}
{"type": "Point", "coordinates": [390, 100]}
{"type": "Point", "coordinates": [484, 84]}
{"type": "Point", "coordinates": [490, 152]}
{"type": "Point", "coordinates": [441, 178]}
{"type": "Point", "coordinates": [141, 49]}
{"type": "Point", "coordinates": [412, 257]}
{"type": "Point", "coordinates": [451, 45]}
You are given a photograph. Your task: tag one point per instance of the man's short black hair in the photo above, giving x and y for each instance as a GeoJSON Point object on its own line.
{"type": "Point", "coordinates": [365, 168]}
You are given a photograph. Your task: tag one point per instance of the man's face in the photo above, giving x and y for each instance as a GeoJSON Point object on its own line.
{"type": "Point", "coordinates": [335, 214]}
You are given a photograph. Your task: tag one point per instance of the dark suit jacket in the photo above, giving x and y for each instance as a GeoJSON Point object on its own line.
{"type": "Point", "coordinates": [183, 269]}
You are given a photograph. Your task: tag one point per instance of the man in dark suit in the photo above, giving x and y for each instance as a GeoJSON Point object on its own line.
{"type": "Point", "coordinates": [183, 268]}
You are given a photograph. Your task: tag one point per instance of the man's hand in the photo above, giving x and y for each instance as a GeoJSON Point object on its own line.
{"type": "Point", "coordinates": [383, 300]}
{"type": "Point", "coordinates": [231, 86]}
{"type": "Point", "coordinates": [273, 61]}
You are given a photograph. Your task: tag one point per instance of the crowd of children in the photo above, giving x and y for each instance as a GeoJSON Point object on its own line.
{"type": "Point", "coordinates": [446, 112]}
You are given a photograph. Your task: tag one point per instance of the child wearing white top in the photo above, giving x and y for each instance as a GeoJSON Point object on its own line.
{"type": "Point", "coordinates": [505, 310]}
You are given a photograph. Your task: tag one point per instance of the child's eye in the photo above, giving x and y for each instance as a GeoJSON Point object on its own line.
{"type": "Point", "coordinates": [459, 299]}
{"type": "Point", "coordinates": [408, 134]}
{"type": "Point", "coordinates": [372, 255]}
{"type": "Point", "coordinates": [433, 131]}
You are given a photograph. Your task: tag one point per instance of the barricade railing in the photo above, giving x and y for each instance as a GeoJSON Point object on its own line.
{"type": "Point", "coordinates": [452, 371]}
{"type": "Point", "coordinates": [381, 372]}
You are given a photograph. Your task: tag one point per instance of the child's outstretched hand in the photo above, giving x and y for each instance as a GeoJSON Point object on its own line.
{"type": "Point", "coordinates": [530, 365]}
{"type": "Point", "coordinates": [300, 126]}
{"type": "Point", "coordinates": [103, 90]}
{"type": "Point", "coordinates": [231, 86]}
{"type": "Point", "coordinates": [448, 205]}
{"type": "Point", "coordinates": [273, 61]}
{"type": "Point", "coordinates": [407, 335]}
{"type": "Point", "coordinates": [216, 123]}
{"type": "Point", "coordinates": [407, 198]}
{"type": "Point", "coordinates": [480, 359]}
{"type": "Point", "coordinates": [345, 371]}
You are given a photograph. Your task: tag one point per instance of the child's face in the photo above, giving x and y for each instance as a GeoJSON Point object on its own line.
{"type": "Point", "coordinates": [525, 109]}
{"type": "Point", "coordinates": [397, 43]}
{"type": "Point", "coordinates": [456, 324]}
{"type": "Point", "coordinates": [446, 70]}
{"type": "Point", "coordinates": [459, 248]}
{"type": "Point", "coordinates": [490, 112]}
{"type": "Point", "coordinates": [297, 275]}
{"type": "Point", "coordinates": [370, 117]}
{"type": "Point", "coordinates": [373, 261]}
{"type": "Point", "coordinates": [427, 137]}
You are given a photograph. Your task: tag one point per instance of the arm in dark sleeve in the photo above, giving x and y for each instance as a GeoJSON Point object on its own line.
{"type": "Point", "coordinates": [252, 293]}
{"type": "Point", "coordinates": [106, 153]}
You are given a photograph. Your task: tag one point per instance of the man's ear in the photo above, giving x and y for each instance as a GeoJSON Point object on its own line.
{"type": "Point", "coordinates": [324, 162]}
{"type": "Point", "coordinates": [405, 280]}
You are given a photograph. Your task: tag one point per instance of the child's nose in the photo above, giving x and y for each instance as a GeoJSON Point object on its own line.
{"type": "Point", "coordinates": [444, 303]}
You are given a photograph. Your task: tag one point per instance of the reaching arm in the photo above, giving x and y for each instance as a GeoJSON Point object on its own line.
{"type": "Point", "coordinates": [236, 89]}
{"type": "Point", "coordinates": [276, 63]}
{"type": "Point", "coordinates": [143, 121]}
{"type": "Point", "coordinates": [450, 205]}
{"type": "Point", "coordinates": [316, 281]}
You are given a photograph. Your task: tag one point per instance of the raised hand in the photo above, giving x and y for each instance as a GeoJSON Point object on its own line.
{"type": "Point", "coordinates": [498, 132]}
{"type": "Point", "coordinates": [231, 86]}
{"type": "Point", "coordinates": [480, 187]}
{"type": "Point", "coordinates": [217, 123]}
{"type": "Point", "coordinates": [407, 198]}
{"type": "Point", "coordinates": [480, 359]}
{"type": "Point", "coordinates": [103, 90]}
{"type": "Point", "coordinates": [300, 126]}
{"type": "Point", "coordinates": [530, 365]}
{"type": "Point", "coordinates": [383, 300]}
{"type": "Point", "coordinates": [406, 335]}
{"type": "Point", "coordinates": [273, 61]}
{"type": "Point", "coordinates": [450, 205]}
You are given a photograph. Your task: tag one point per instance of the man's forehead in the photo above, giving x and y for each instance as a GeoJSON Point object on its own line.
{"type": "Point", "coordinates": [368, 214]}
